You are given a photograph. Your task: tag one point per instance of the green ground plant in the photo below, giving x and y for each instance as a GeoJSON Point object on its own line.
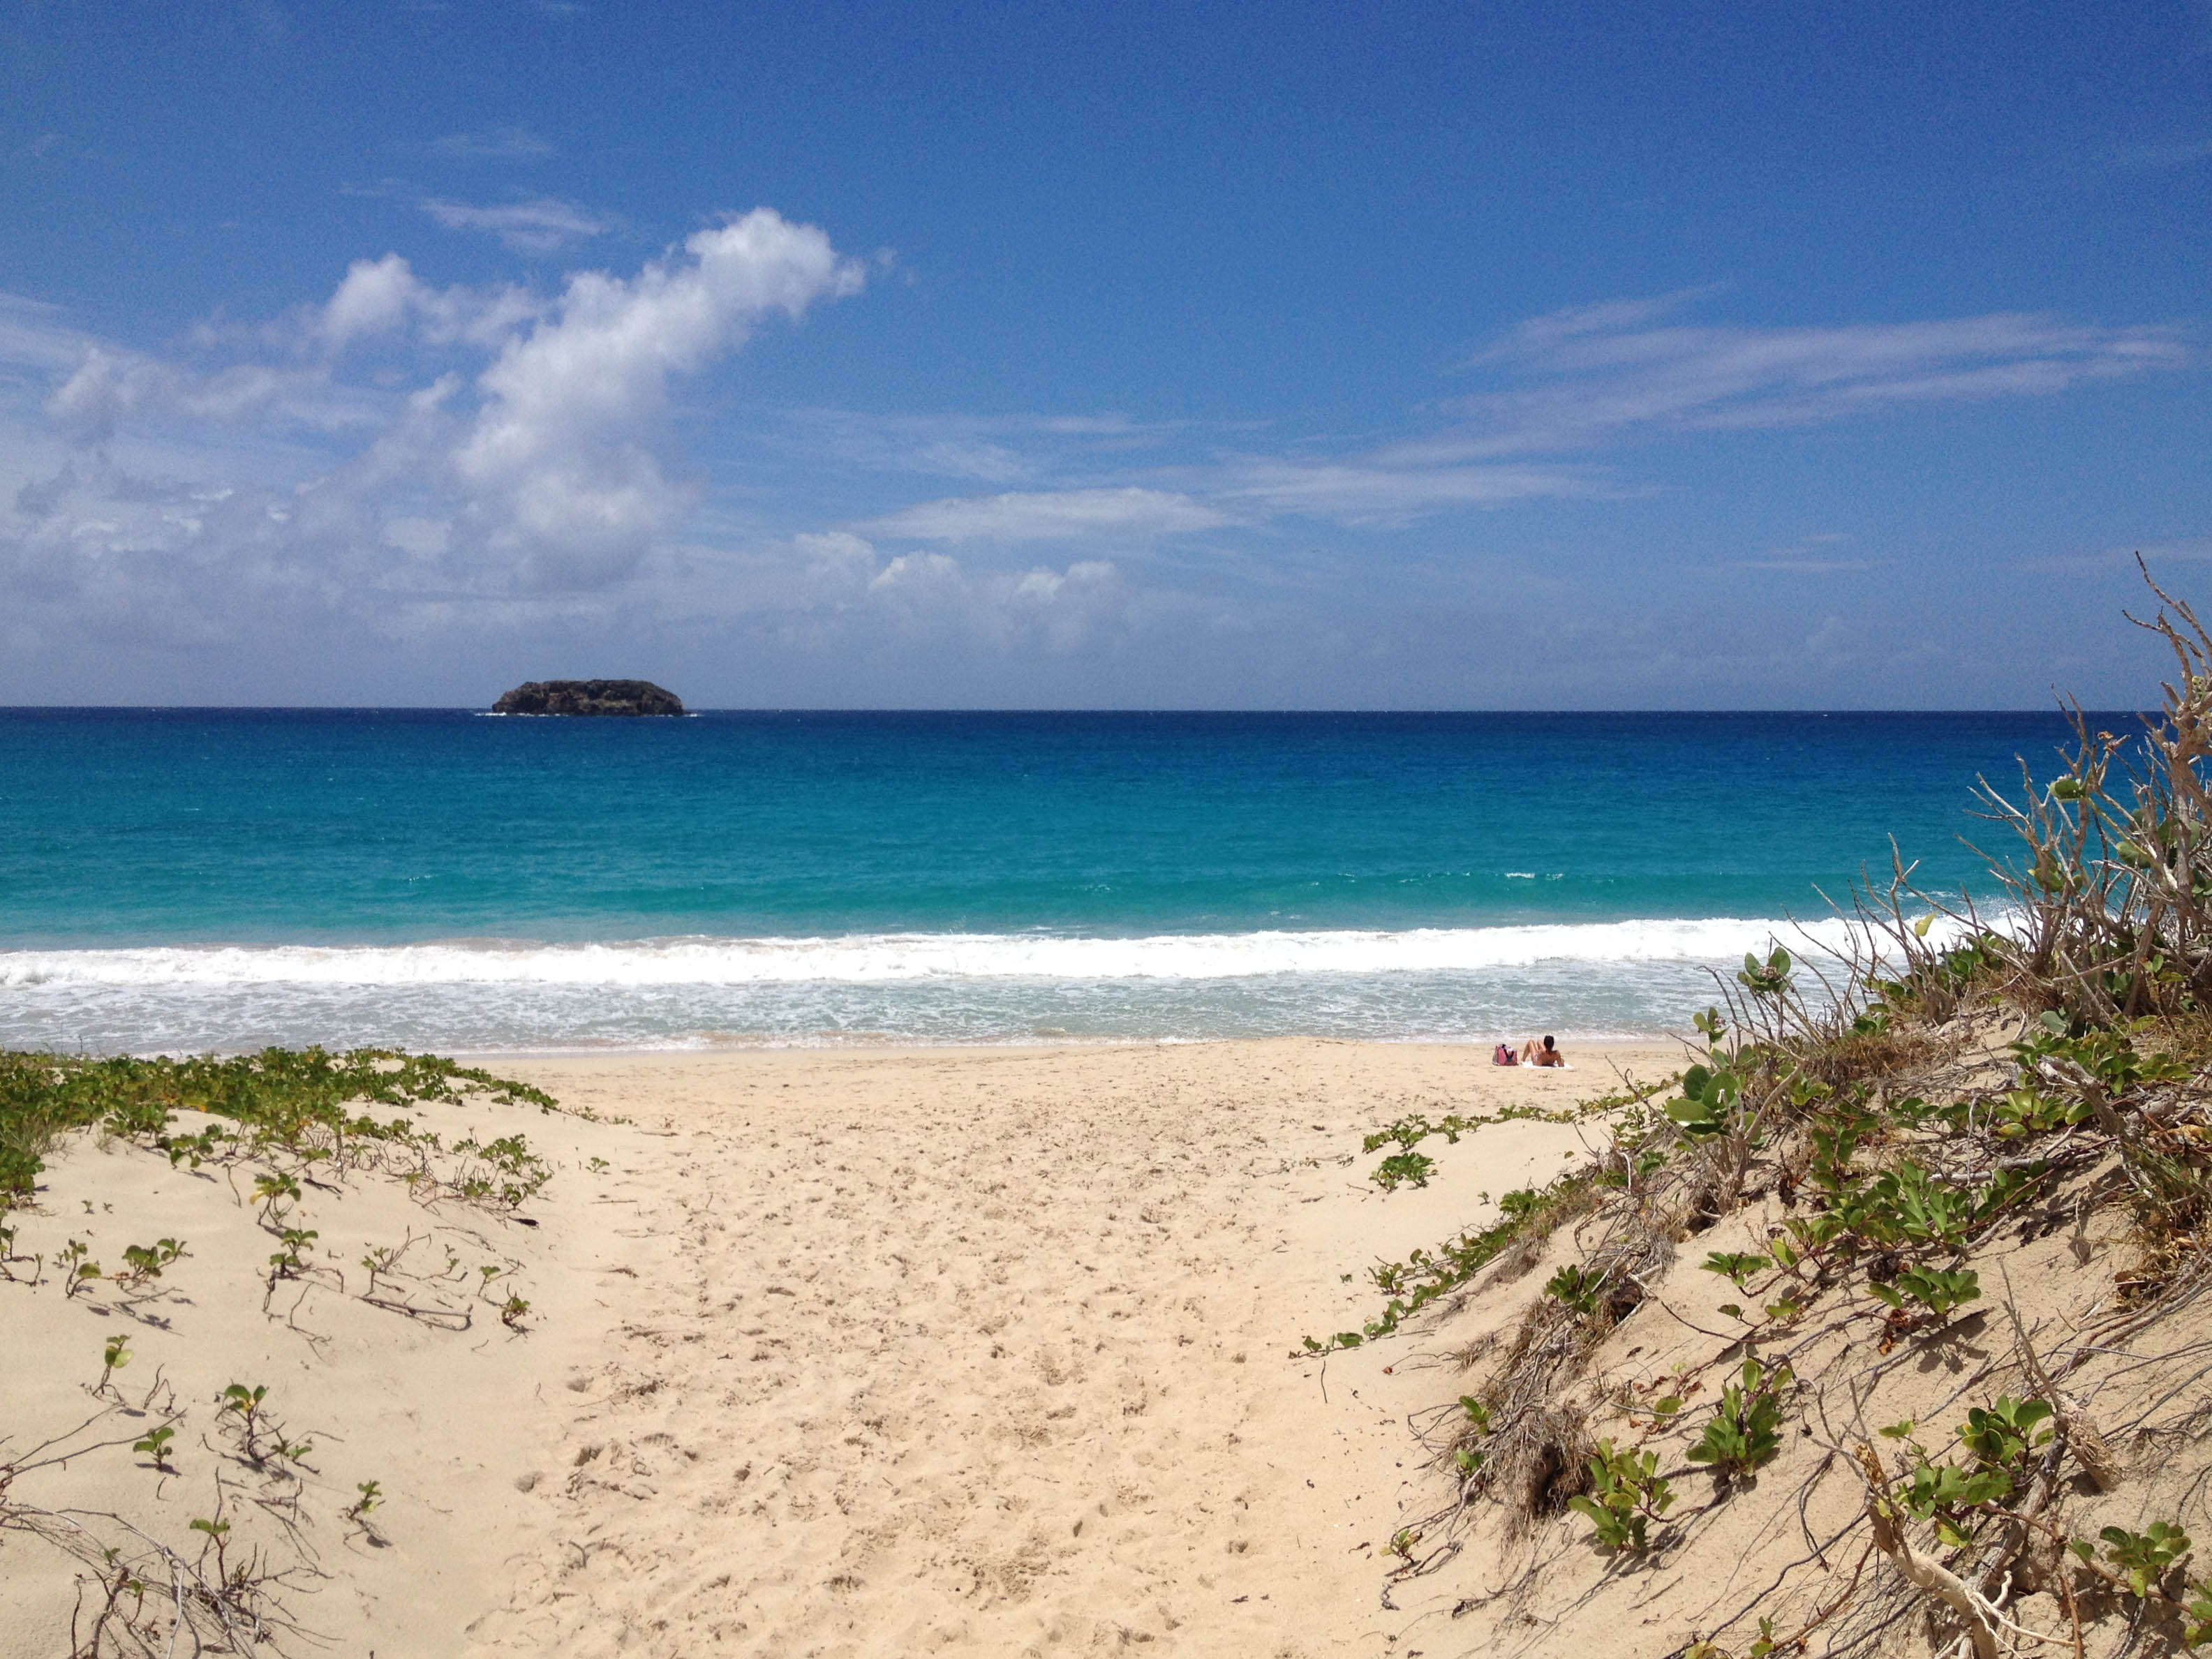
{"type": "Point", "coordinates": [1745, 1429]}
{"type": "Point", "coordinates": [2141, 1558]}
{"type": "Point", "coordinates": [1576, 1288]}
{"type": "Point", "coordinates": [155, 1445]}
{"type": "Point", "coordinates": [78, 1269]}
{"type": "Point", "coordinates": [112, 1358]}
{"type": "Point", "coordinates": [1942, 1291]}
{"type": "Point", "coordinates": [280, 1105]}
{"type": "Point", "coordinates": [1626, 1494]}
{"type": "Point", "coordinates": [1735, 1265]}
{"type": "Point", "coordinates": [2003, 1435]}
{"type": "Point", "coordinates": [1424, 1275]}
{"type": "Point", "coordinates": [1401, 1169]}
{"type": "Point", "coordinates": [144, 1262]}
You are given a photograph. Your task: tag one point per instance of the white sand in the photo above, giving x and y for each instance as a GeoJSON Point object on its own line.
{"type": "Point", "coordinates": [838, 1354]}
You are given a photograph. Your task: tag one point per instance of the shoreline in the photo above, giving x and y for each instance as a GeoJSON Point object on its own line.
{"type": "Point", "coordinates": [903, 1047]}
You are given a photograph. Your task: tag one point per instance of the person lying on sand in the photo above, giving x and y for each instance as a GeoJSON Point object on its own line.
{"type": "Point", "coordinates": [1545, 1055]}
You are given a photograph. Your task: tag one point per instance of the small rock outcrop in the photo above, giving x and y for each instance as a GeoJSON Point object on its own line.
{"type": "Point", "coordinates": [589, 697]}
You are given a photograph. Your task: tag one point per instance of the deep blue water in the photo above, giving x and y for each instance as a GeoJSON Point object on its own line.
{"type": "Point", "coordinates": [437, 876]}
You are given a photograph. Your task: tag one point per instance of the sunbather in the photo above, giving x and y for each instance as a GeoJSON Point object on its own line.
{"type": "Point", "coordinates": [1544, 1054]}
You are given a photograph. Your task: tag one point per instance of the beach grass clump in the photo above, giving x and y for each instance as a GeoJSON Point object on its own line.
{"type": "Point", "coordinates": [1861, 1152]}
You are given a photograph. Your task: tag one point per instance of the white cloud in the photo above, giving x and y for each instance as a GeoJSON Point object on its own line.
{"type": "Point", "coordinates": [1046, 587]}
{"type": "Point", "coordinates": [997, 449]}
{"type": "Point", "coordinates": [109, 386]}
{"type": "Point", "coordinates": [545, 225]}
{"type": "Point", "coordinates": [383, 297]}
{"type": "Point", "coordinates": [2157, 552]}
{"type": "Point", "coordinates": [189, 503]}
{"type": "Point", "coordinates": [912, 571]}
{"type": "Point", "coordinates": [1601, 373]}
{"type": "Point", "coordinates": [374, 297]}
{"type": "Point", "coordinates": [404, 462]}
{"type": "Point", "coordinates": [2160, 157]}
{"type": "Point", "coordinates": [1368, 495]}
{"type": "Point", "coordinates": [1053, 515]}
{"type": "Point", "coordinates": [421, 538]}
{"type": "Point", "coordinates": [1817, 554]}
{"type": "Point", "coordinates": [930, 594]}
{"type": "Point", "coordinates": [506, 144]}
{"type": "Point", "coordinates": [36, 338]}
{"type": "Point", "coordinates": [564, 442]}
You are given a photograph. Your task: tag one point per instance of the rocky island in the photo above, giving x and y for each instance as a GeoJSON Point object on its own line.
{"type": "Point", "coordinates": [588, 697]}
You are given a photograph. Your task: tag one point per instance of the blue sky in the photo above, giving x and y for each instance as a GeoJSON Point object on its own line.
{"type": "Point", "coordinates": [1502, 356]}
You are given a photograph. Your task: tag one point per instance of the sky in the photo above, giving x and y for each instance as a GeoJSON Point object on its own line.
{"type": "Point", "coordinates": [1489, 356]}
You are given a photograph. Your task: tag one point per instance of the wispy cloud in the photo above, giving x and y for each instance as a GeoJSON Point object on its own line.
{"type": "Point", "coordinates": [2161, 157]}
{"type": "Point", "coordinates": [1819, 554]}
{"type": "Point", "coordinates": [2154, 552]}
{"type": "Point", "coordinates": [505, 143]}
{"type": "Point", "coordinates": [993, 449]}
{"type": "Point", "coordinates": [545, 225]}
{"type": "Point", "coordinates": [1367, 493]}
{"type": "Point", "coordinates": [1052, 516]}
{"type": "Point", "coordinates": [1805, 565]}
{"type": "Point", "coordinates": [1600, 374]}
{"type": "Point", "coordinates": [1574, 386]}
{"type": "Point", "coordinates": [37, 336]}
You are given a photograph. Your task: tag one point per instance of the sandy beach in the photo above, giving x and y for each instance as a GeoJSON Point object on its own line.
{"type": "Point", "coordinates": [826, 1352]}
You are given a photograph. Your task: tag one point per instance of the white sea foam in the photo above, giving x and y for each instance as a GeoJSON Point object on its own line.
{"type": "Point", "coordinates": [891, 958]}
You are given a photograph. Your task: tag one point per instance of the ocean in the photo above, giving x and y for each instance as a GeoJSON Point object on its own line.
{"type": "Point", "coordinates": [187, 880]}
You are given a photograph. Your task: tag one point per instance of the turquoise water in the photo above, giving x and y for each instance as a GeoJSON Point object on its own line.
{"type": "Point", "coordinates": [197, 879]}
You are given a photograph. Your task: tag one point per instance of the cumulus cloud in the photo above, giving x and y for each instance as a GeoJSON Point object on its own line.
{"type": "Point", "coordinates": [545, 225]}
{"type": "Point", "coordinates": [1053, 515]}
{"type": "Point", "coordinates": [564, 443]}
{"type": "Point", "coordinates": [931, 593]}
{"type": "Point", "coordinates": [508, 453]}
{"type": "Point", "coordinates": [384, 298]}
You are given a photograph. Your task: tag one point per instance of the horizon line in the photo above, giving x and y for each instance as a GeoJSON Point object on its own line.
{"type": "Point", "coordinates": [2062, 710]}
